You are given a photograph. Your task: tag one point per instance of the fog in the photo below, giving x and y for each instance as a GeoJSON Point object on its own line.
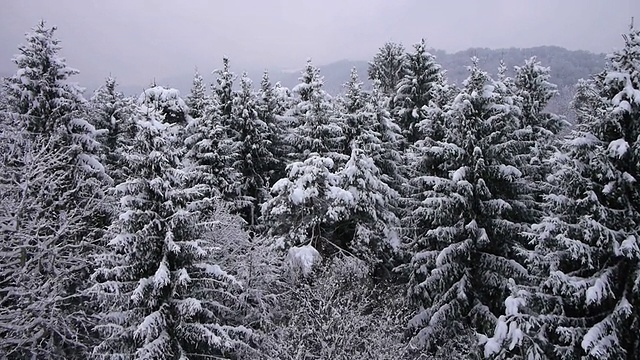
{"type": "Point", "coordinates": [141, 40]}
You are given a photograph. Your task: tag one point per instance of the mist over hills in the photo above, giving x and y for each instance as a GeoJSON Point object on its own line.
{"type": "Point", "coordinates": [567, 66]}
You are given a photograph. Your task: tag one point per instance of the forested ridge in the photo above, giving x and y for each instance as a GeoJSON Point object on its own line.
{"type": "Point", "coordinates": [418, 219]}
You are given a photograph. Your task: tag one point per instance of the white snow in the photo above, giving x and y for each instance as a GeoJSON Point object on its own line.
{"type": "Point", "coordinates": [493, 344]}
{"type": "Point", "coordinates": [597, 291]}
{"type": "Point", "coordinates": [510, 172]}
{"type": "Point", "coordinates": [629, 247]}
{"type": "Point", "coordinates": [512, 304]}
{"type": "Point", "coordinates": [618, 148]}
{"type": "Point", "coordinates": [121, 240]}
{"type": "Point", "coordinates": [214, 270]}
{"type": "Point", "coordinates": [303, 257]}
{"type": "Point", "coordinates": [488, 91]}
{"type": "Point", "coordinates": [150, 325]}
{"type": "Point", "coordinates": [591, 337]}
{"type": "Point", "coordinates": [162, 277]}
{"type": "Point", "coordinates": [393, 239]}
{"type": "Point", "coordinates": [608, 188]}
{"type": "Point", "coordinates": [189, 306]}
{"type": "Point", "coordinates": [90, 163]}
{"type": "Point", "coordinates": [341, 195]}
{"type": "Point", "coordinates": [629, 92]}
{"type": "Point", "coordinates": [516, 335]}
{"type": "Point", "coordinates": [298, 196]}
{"type": "Point", "coordinates": [459, 174]}
{"type": "Point", "coordinates": [628, 177]}
{"type": "Point", "coordinates": [587, 140]}
{"type": "Point", "coordinates": [160, 93]}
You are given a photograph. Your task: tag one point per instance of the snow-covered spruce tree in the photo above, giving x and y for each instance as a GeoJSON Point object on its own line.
{"type": "Point", "coordinates": [198, 101]}
{"type": "Point", "coordinates": [417, 108]}
{"type": "Point", "coordinates": [318, 130]}
{"type": "Point", "coordinates": [161, 295]}
{"type": "Point", "coordinates": [429, 156]}
{"type": "Point", "coordinates": [430, 160]}
{"type": "Point", "coordinates": [52, 207]}
{"type": "Point", "coordinates": [387, 67]}
{"type": "Point", "coordinates": [370, 228]}
{"type": "Point", "coordinates": [388, 158]}
{"type": "Point", "coordinates": [539, 128]}
{"type": "Point", "coordinates": [534, 145]}
{"type": "Point", "coordinates": [306, 204]}
{"type": "Point", "coordinates": [271, 106]}
{"type": "Point", "coordinates": [223, 101]}
{"type": "Point", "coordinates": [415, 90]}
{"type": "Point", "coordinates": [434, 126]}
{"type": "Point", "coordinates": [223, 90]}
{"type": "Point", "coordinates": [252, 158]}
{"type": "Point", "coordinates": [367, 121]}
{"type": "Point", "coordinates": [208, 155]}
{"type": "Point", "coordinates": [111, 113]}
{"type": "Point", "coordinates": [284, 98]}
{"type": "Point", "coordinates": [106, 104]}
{"type": "Point", "coordinates": [371, 222]}
{"type": "Point", "coordinates": [587, 251]}
{"type": "Point", "coordinates": [40, 89]}
{"type": "Point", "coordinates": [463, 257]}
{"type": "Point", "coordinates": [174, 111]}
{"type": "Point", "coordinates": [351, 114]}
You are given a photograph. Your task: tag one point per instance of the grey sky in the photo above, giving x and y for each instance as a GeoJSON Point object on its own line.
{"type": "Point", "coordinates": [139, 40]}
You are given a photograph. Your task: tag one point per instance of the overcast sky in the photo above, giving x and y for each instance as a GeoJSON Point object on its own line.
{"type": "Point", "coordinates": [138, 40]}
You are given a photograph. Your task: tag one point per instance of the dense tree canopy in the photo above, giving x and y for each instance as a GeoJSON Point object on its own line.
{"type": "Point", "coordinates": [415, 219]}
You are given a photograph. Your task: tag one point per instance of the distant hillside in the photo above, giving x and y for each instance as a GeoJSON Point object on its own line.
{"type": "Point", "coordinates": [567, 66]}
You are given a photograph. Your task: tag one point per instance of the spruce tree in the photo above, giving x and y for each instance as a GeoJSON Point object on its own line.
{"type": "Point", "coordinates": [306, 204]}
{"type": "Point", "coordinates": [208, 150]}
{"type": "Point", "coordinates": [253, 160]}
{"type": "Point", "coordinates": [387, 67]}
{"type": "Point", "coordinates": [223, 91]}
{"type": "Point", "coordinates": [198, 101]}
{"type": "Point", "coordinates": [533, 144]}
{"type": "Point", "coordinates": [415, 90]}
{"type": "Point", "coordinates": [351, 106]}
{"type": "Point", "coordinates": [371, 223]}
{"type": "Point", "coordinates": [162, 297]}
{"type": "Point", "coordinates": [463, 254]}
{"type": "Point", "coordinates": [40, 90]}
{"type": "Point", "coordinates": [111, 114]}
{"type": "Point", "coordinates": [318, 130]}
{"type": "Point", "coordinates": [539, 127]}
{"type": "Point", "coordinates": [586, 249]}
{"type": "Point", "coordinates": [106, 102]}
{"type": "Point", "coordinates": [53, 210]}
{"type": "Point", "coordinates": [428, 157]}
{"type": "Point", "coordinates": [388, 157]}
{"type": "Point", "coordinates": [369, 230]}
{"type": "Point", "coordinates": [271, 106]}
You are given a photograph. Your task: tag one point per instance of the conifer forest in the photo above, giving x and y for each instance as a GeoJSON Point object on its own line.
{"type": "Point", "coordinates": [413, 219]}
